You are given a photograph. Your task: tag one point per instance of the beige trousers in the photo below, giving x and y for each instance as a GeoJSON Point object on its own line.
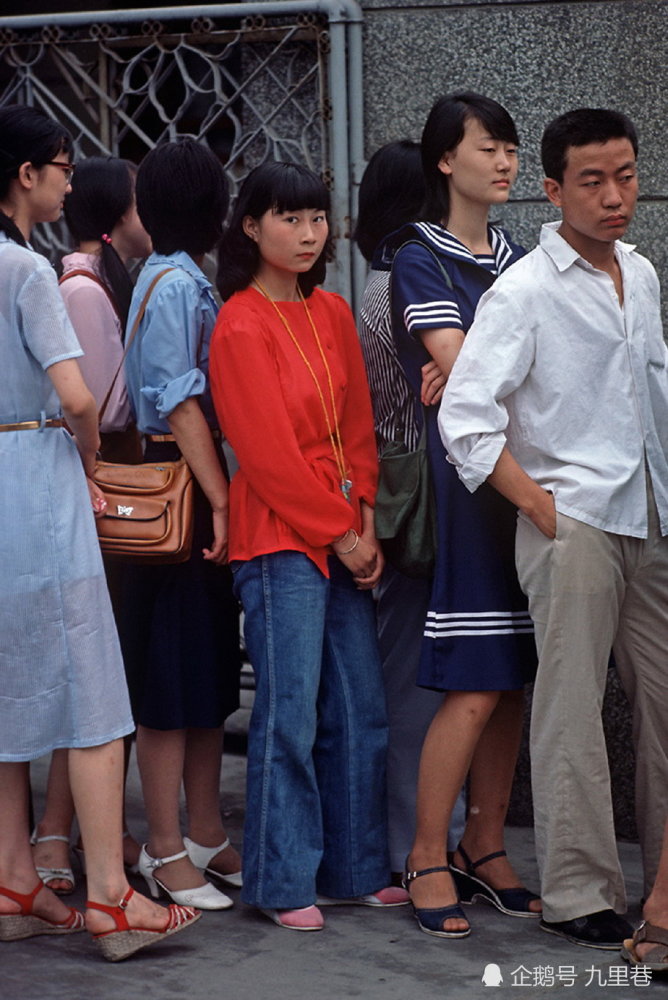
{"type": "Point", "coordinates": [590, 591]}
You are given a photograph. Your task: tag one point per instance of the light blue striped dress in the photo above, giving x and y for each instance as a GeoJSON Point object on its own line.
{"type": "Point", "coordinates": [62, 682]}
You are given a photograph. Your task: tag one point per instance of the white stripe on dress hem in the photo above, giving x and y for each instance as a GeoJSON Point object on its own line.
{"type": "Point", "coordinates": [447, 633]}
{"type": "Point", "coordinates": [459, 615]}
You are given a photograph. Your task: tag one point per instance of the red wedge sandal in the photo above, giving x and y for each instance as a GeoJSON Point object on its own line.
{"type": "Point", "coordinates": [126, 940]}
{"type": "Point", "coordinates": [16, 926]}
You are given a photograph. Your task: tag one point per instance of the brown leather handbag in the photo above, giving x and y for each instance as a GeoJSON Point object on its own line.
{"type": "Point", "coordinates": [149, 516]}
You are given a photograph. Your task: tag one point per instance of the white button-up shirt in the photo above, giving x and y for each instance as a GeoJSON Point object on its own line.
{"type": "Point", "coordinates": [575, 384]}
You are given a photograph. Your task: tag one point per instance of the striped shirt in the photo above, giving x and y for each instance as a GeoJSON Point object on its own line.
{"type": "Point", "coordinates": [391, 396]}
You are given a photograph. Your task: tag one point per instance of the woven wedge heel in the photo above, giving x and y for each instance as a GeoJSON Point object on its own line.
{"type": "Point", "coordinates": [126, 940]}
{"type": "Point", "coordinates": [16, 926]}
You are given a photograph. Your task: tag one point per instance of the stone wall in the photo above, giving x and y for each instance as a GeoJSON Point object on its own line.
{"type": "Point", "coordinates": [538, 58]}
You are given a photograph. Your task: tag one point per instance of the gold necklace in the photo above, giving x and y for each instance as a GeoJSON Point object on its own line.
{"type": "Point", "coordinates": [345, 484]}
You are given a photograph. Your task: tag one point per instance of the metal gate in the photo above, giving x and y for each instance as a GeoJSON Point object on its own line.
{"type": "Point", "coordinates": [255, 81]}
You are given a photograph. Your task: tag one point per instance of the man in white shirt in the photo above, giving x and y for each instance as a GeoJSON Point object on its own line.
{"type": "Point", "coordinates": [559, 398]}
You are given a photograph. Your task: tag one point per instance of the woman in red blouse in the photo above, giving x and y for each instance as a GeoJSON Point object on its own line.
{"type": "Point", "coordinates": [290, 391]}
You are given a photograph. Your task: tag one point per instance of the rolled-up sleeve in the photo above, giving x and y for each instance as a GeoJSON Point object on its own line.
{"type": "Point", "coordinates": [167, 397]}
{"type": "Point", "coordinates": [170, 345]}
{"type": "Point", "coordinates": [495, 359]}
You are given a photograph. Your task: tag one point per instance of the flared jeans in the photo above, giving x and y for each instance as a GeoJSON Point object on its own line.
{"type": "Point", "coordinates": [317, 742]}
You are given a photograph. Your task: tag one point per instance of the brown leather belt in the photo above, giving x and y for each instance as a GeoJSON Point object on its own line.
{"type": "Point", "coordinates": [32, 425]}
{"type": "Point", "coordinates": [170, 437]}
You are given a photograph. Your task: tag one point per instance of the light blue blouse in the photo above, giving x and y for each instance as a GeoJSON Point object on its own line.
{"type": "Point", "coordinates": [168, 361]}
{"type": "Point", "coordinates": [35, 333]}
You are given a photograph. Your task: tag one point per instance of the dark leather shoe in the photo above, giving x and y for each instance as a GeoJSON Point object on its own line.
{"type": "Point", "coordinates": [604, 929]}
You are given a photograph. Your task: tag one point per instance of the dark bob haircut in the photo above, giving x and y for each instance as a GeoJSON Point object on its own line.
{"type": "Point", "coordinates": [27, 135]}
{"type": "Point", "coordinates": [444, 130]}
{"type": "Point", "coordinates": [391, 193]}
{"type": "Point", "coordinates": [182, 197]}
{"type": "Point", "coordinates": [579, 128]}
{"type": "Point", "coordinates": [276, 187]}
{"type": "Point", "coordinates": [103, 190]}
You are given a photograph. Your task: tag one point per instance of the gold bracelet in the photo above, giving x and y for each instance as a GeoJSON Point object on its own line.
{"type": "Point", "coordinates": [346, 552]}
{"type": "Point", "coordinates": [341, 537]}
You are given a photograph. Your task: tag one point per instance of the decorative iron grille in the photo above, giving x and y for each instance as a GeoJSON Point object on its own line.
{"type": "Point", "coordinates": [253, 87]}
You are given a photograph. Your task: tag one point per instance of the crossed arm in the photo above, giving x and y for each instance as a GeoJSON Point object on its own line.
{"type": "Point", "coordinates": [508, 477]}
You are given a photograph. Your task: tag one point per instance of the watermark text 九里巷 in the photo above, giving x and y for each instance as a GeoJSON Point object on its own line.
{"type": "Point", "coordinates": [568, 976]}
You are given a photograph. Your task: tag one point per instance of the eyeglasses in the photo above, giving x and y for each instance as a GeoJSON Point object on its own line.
{"type": "Point", "coordinates": [68, 168]}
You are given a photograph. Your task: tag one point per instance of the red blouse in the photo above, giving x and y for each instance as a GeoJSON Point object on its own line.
{"type": "Point", "coordinates": [286, 494]}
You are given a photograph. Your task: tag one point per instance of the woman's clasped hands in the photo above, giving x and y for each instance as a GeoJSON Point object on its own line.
{"type": "Point", "coordinates": [361, 553]}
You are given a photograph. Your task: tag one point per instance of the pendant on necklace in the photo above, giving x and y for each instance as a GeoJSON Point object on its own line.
{"type": "Point", "coordinates": [346, 487]}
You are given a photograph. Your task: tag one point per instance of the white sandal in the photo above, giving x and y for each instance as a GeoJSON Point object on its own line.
{"type": "Point", "coordinates": [203, 897]}
{"type": "Point", "coordinates": [201, 857]}
{"type": "Point", "coordinates": [52, 874]}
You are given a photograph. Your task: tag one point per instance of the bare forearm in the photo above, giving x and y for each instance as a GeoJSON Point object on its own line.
{"type": "Point", "coordinates": [444, 345]}
{"type": "Point", "coordinates": [86, 434]}
{"type": "Point", "coordinates": [368, 526]}
{"type": "Point", "coordinates": [512, 482]}
{"type": "Point", "coordinates": [194, 439]}
{"type": "Point", "coordinates": [79, 409]}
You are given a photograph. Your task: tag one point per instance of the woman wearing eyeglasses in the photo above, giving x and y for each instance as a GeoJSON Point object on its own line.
{"type": "Point", "coordinates": [61, 673]}
{"type": "Point", "coordinates": [101, 214]}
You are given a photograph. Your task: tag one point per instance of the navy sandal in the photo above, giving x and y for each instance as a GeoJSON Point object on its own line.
{"type": "Point", "coordinates": [514, 902]}
{"type": "Point", "coordinates": [430, 920]}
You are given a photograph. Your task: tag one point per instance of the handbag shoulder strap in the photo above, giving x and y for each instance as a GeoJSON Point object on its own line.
{"type": "Point", "coordinates": [135, 326]}
{"type": "Point", "coordinates": [425, 246]}
{"type": "Point", "coordinates": [81, 272]}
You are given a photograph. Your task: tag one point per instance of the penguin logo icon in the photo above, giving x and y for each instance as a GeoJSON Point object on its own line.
{"type": "Point", "coordinates": [492, 975]}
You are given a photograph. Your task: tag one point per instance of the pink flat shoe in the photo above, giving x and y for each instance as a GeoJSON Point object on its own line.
{"type": "Point", "coordinates": [308, 918]}
{"type": "Point", "coordinates": [390, 896]}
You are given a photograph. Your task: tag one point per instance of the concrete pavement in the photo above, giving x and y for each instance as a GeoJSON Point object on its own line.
{"type": "Point", "coordinates": [362, 952]}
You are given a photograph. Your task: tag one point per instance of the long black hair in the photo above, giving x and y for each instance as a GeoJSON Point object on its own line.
{"type": "Point", "coordinates": [391, 193]}
{"type": "Point", "coordinates": [102, 192]}
{"type": "Point", "coordinates": [182, 197]}
{"type": "Point", "coordinates": [27, 135]}
{"type": "Point", "coordinates": [278, 187]}
{"type": "Point", "coordinates": [444, 130]}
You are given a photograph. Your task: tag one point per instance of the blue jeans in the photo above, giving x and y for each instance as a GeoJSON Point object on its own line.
{"type": "Point", "coordinates": [315, 803]}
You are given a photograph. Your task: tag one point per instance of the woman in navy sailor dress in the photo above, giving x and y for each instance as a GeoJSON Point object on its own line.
{"type": "Point", "coordinates": [476, 597]}
{"type": "Point", "coordinates": [478, 643]}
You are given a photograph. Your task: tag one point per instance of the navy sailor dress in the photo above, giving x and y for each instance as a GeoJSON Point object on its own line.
{"type": "Point", "coordinates": [478, 635]}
